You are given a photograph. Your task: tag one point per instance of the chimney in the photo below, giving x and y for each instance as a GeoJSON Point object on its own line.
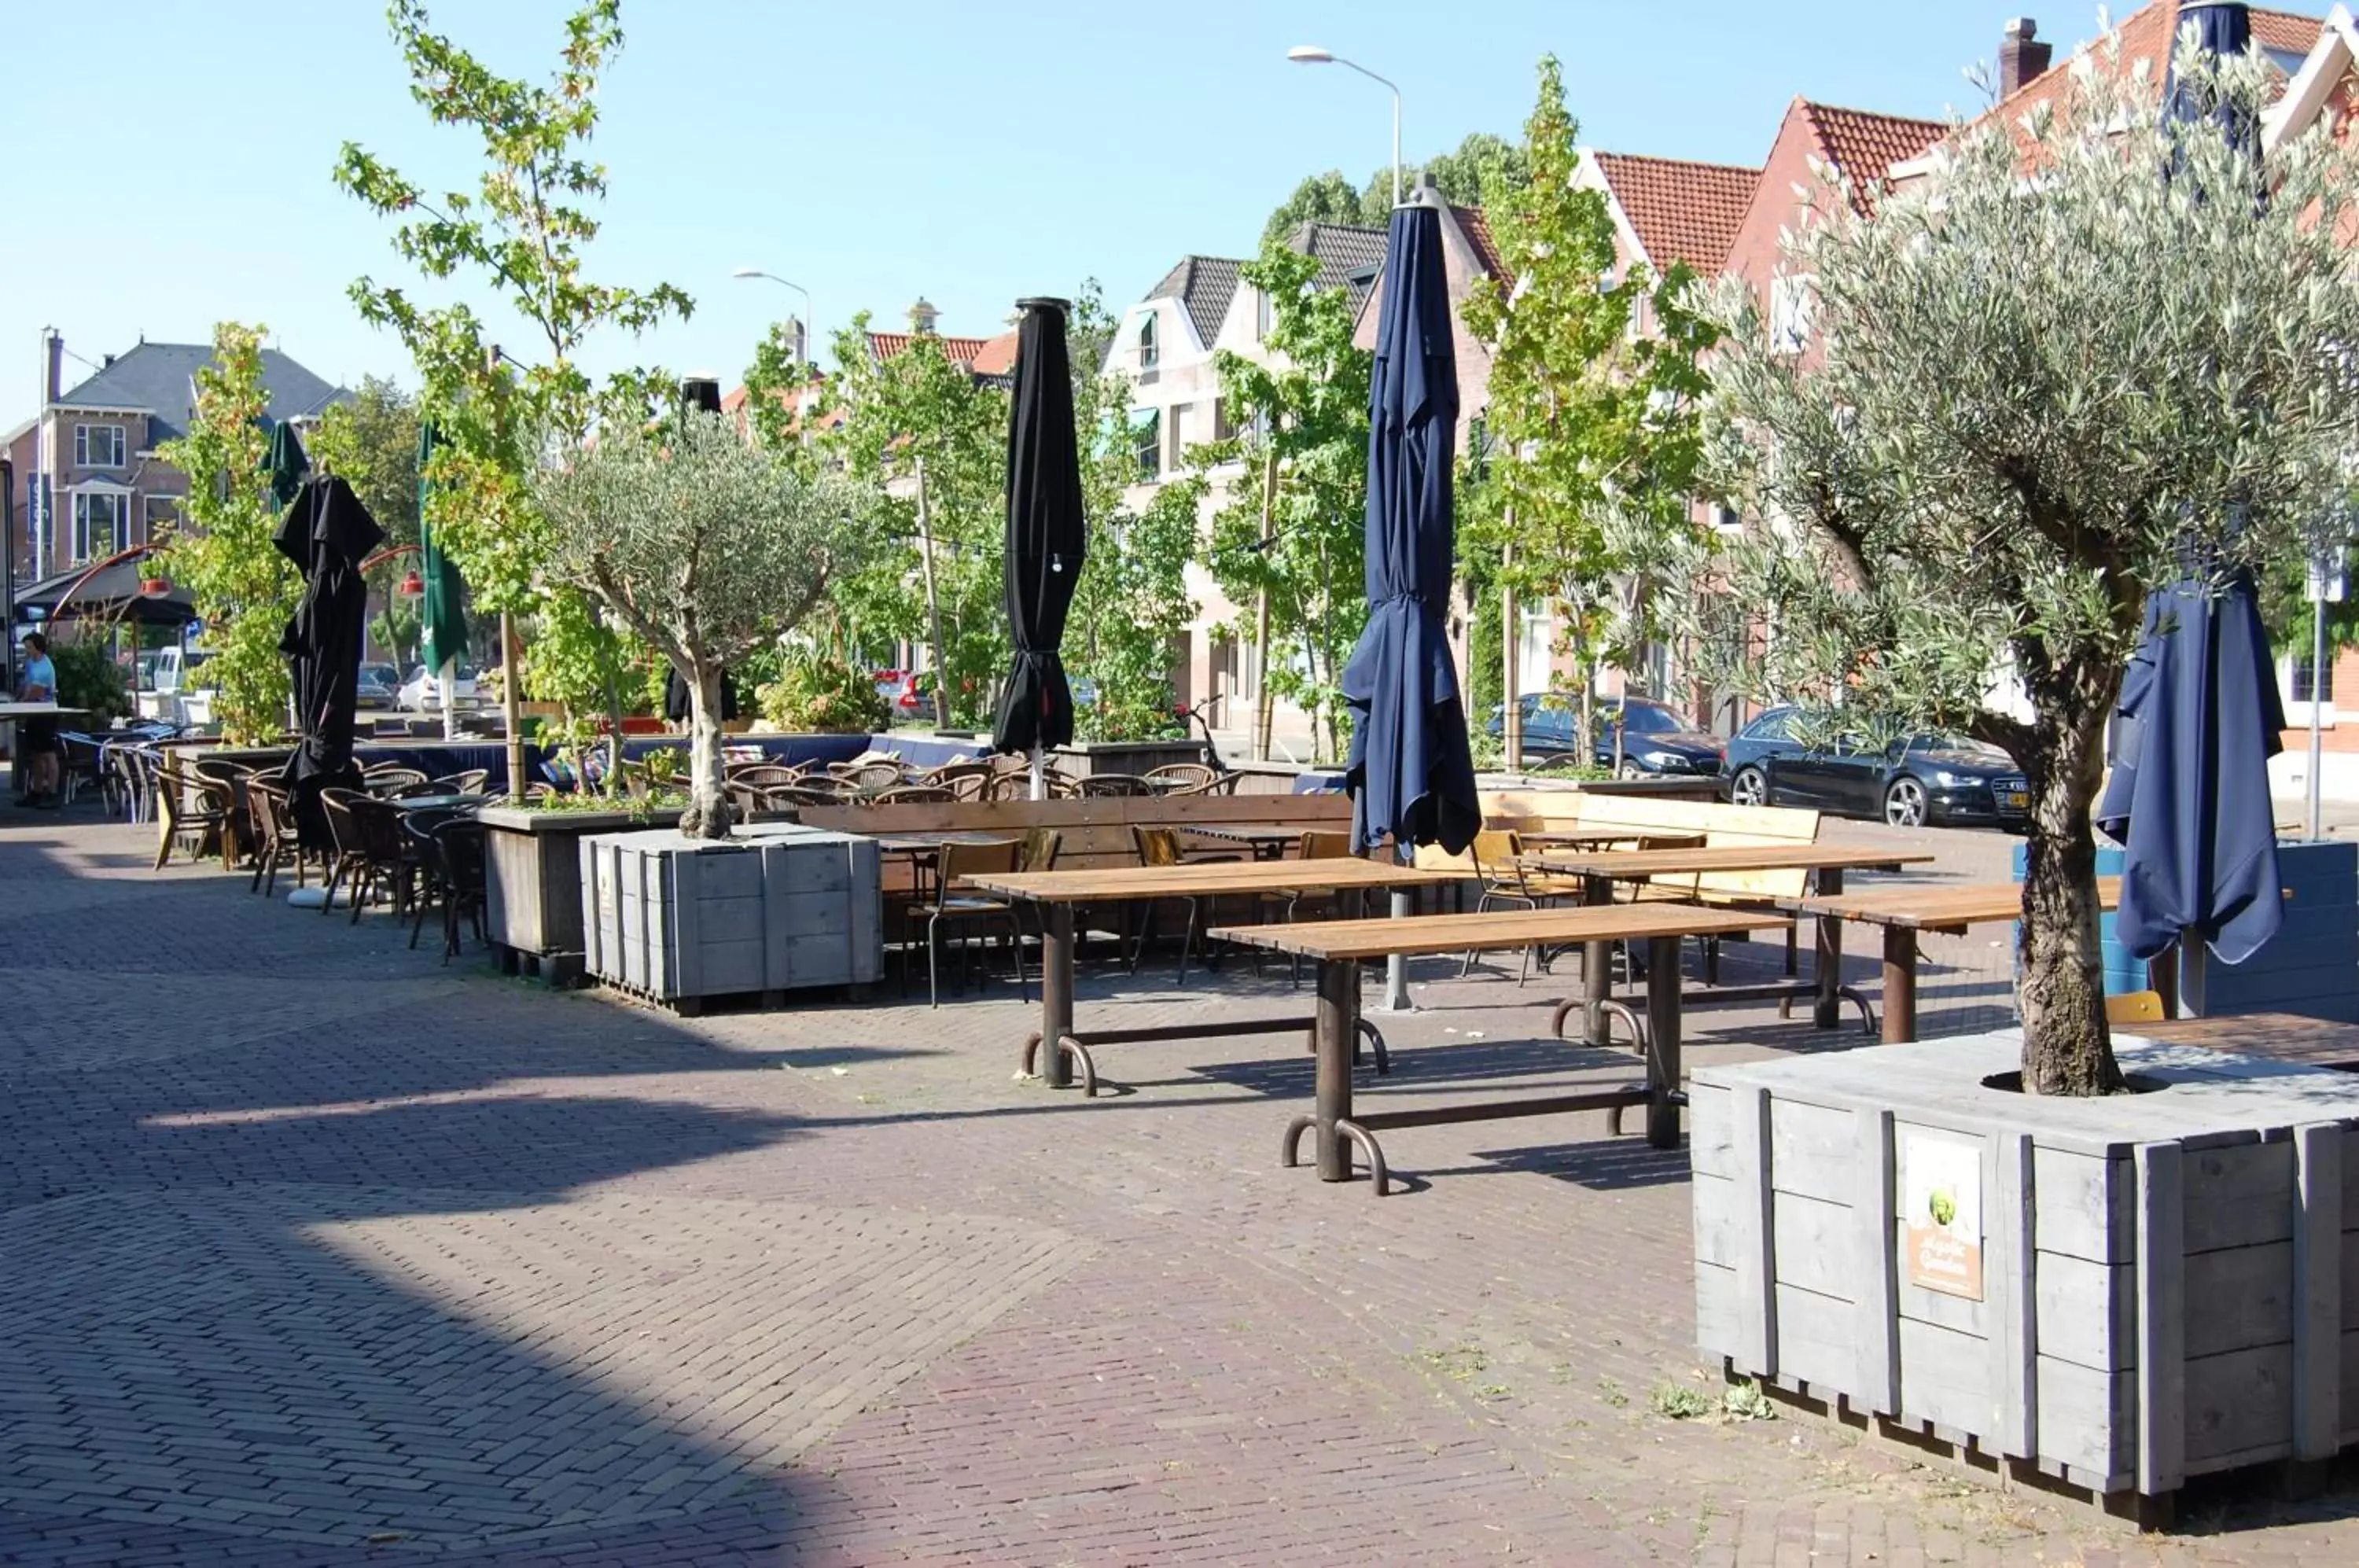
{"type": "Point", "coordinates": [53, 366]}
{"type": "Point", "coordinates": [922, 316]}
{"type": "Point", "coordinates": [2021, 56]}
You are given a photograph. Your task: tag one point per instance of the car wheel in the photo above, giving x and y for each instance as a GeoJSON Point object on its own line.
{"type": "Point", "coordinates": [1904, 804]}
{"type": "Point", "coordinates": [1630, 770]}
{"type": "Point", "coordinates": [1749, 788]}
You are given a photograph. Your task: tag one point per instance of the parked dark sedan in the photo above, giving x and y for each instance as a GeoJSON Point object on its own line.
{"type": "Point", "coordinates": [1656, 742]}
{"type": "Point", "coordinates": [1927, 779]}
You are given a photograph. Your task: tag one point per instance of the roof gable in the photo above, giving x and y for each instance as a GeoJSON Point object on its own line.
{"type": "Point", "coordinates": [161, 379]}
{"type": "Point", "coordinates": [1862, 145]}
{"type": "Point", "coordinates": [2145, 40]}
{"type": "Point", "coordinates": [882, 346]}
{"type": "Point", "coordinates": [1203, 285]}
{"type": "Point", "coordinates": [1680, 211]}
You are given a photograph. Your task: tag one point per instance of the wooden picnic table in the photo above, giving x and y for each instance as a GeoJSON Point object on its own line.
{"type": "Point", "coordinates": [1914, 907]}
{"type": "Point", "coordinates": [1058, 892]}
{"type": "Point", "coordinates": [1603, 838]}
{"type": "Point", "coordinates": [1825, 863]}
{"type": "Point", "coordinates": [2282, 1037]}
{"type": "Point", "coordinates": [1339, 946]}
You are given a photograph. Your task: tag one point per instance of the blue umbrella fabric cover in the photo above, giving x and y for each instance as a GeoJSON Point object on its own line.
{"type": "Point", "coordinates": [1410, 773]}
{"type": "Point", "coordinates": [2199, 713]}
{"type": "Point", "coordinates": [2190, 796]}
{"type": "Point", "coordinates": [1045, 534]}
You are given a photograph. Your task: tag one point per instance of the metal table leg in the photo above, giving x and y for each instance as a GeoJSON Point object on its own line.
{"type": "Point", "coordinates": [1055, 1040]}
{"type": "Point", "coordinates": [1899, 984]}
{"type": "Point", "coordinates": [1664, 1096]}
{"type": "Point", "coordinates": [1826, 1011]}
{"type": "Point", "coordinates": [1397, 967]}
{"type": "Point", "coordinates": [1597, 966]}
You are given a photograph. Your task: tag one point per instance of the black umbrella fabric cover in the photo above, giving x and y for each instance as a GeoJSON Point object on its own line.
{"type": "Point", "coordinates": [2189, 799]}
{"type": "Point", "coordinates": [1045, 536]}
{"type": "Point", "coordinates": [327, 533]}
{"type": "Point", "coordinates": [1410, 773]}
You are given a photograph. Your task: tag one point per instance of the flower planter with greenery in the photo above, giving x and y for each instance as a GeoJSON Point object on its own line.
{"type": "Point", "coordinates": [2020, 404]}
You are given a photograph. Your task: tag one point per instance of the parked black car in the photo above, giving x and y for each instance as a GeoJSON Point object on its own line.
{"type": "Point", "coordinates": [1925, 779]}
{"type": "Point", "coordinates": [1656, 743]}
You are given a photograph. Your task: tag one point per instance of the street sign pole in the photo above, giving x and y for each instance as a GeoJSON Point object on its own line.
{"type": "Point", "coordinates": [2326, 587]}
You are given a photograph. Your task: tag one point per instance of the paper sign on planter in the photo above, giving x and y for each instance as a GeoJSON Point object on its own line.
{"type": "Point", "coordinates": [1941, 1200]}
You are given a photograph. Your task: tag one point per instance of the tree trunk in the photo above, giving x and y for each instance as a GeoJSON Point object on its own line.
{"type": "Point", "coordinates": [2067, 1048]}
{"type": "Point", "coordinates": [614, 735]}
{"type": "Point", "coordinates": [708, 812]}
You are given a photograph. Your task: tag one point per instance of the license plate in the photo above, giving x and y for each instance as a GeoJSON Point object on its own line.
{"type": "Point", "coordinates": [2016, 799]}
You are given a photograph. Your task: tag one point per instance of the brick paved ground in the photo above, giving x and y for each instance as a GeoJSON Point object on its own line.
{"type": "Point", "coordinates": [315, 1251]}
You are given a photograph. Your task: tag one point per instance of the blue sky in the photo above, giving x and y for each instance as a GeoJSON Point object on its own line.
{"type": "Point", "coordinates": [968, 151]}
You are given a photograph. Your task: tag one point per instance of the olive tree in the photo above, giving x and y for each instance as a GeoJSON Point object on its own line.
{"type": "Point", "coordinates": [2082, 359]}
{"type": "Point", "coordinates": [708, 546]}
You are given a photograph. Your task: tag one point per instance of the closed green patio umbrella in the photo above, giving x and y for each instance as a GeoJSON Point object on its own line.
{"type": "Point", "coordinates": [443, 614]}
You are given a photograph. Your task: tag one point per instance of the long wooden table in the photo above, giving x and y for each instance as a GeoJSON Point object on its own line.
{"type": "Point", "coordinates": [2282, 1037]}
{"type": "Point", "coordinates": [1058, 893]}
{"type": "Point", "coordinates": [1825, 863]}
{"type": "Point", "coordinates": [1340, 946]}
{"type": "Point", "coordinates": [1911, 907]}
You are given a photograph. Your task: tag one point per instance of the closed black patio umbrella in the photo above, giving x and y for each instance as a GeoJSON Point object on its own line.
{"type": "Point", "coordinates": [1045, 536]}
{"type": "Point", "coordinates": [2199, 713]}
{"type": "Point", "coordinates": [327, 533]}
{"type": "Point", "coordinates": [1410, 773]}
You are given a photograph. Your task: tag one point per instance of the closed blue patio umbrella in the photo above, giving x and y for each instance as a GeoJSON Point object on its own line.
{"type": "Point", "coordinates": [2200, 715]}
{"type": "Point", "coordinates": [1410, 772]}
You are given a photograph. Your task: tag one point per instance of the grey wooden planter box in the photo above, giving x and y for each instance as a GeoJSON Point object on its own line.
{"type": "Point", "coordinates": [2169, 1281]}
{"type": "Point", "coordinates": [779, 907]}
{"type": "Point", "coordinates": [532, 881]}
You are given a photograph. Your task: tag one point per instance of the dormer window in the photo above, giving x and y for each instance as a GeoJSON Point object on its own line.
{"type": "Point", "coordinates": [1149, 352]}
{"type": "Point", "coordinates": [98, 446]}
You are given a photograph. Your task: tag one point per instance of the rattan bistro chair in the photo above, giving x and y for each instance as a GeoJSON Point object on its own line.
{"type": "Point", "coordinates": [190, 812]}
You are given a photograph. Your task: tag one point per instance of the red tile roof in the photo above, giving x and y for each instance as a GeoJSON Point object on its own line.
{"type": "Point", "coordinates": [960, 351]}
{"type": "Point", "coordinates": [2145, 38]}
{"type": "Point", "coordinates": [1865, 145]}
{"type": "Point", "coordinates": [997, 356]}
{"type": "Point", "coordinates": [1681, 211]}
{"type": "Point", "coordinates": [1477, 230]}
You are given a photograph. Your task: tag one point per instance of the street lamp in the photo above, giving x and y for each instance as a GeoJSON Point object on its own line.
{"type": "Point", "coordinates": [811, 312]}
{"type": "Point", "coordinates": [1311, 54]}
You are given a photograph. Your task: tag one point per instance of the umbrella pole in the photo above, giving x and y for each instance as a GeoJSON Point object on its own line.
{"type": "Point", "coordinates": [1396, 966]}
{"type": "Point", "coordinates": [445, 679]}
{"type": "Point", "coordinates": [1040, 777]}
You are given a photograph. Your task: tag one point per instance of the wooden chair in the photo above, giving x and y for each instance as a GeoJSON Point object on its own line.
{"type": "Point", "coordinates": [1496, 854]}
{"type": "Point", "coordinates": [949, 904]}
{"type": "Point", "coordinates": [1162, 846]}
{"type": "Point", "coordinates": [230, 778]}
{"type": "Point", "coordinates": [277, 837]}
{"type": "Point", "coordinates": [2135, 1007]}
{"type": "Point", "coordinates": [189, 810]}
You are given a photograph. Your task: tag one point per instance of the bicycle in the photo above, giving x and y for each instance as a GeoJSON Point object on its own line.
{"type": "Point", "coordinates": [1195, 714]}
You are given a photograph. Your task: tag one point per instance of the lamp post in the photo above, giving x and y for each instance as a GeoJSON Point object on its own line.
{"type": "Point", "coordinates": [1311, 54]}
{"type": "Point", "coordinates": [811, 312]}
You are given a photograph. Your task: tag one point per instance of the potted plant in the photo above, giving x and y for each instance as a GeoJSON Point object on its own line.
{"type": "Point", "coordinates": [2079, 360]}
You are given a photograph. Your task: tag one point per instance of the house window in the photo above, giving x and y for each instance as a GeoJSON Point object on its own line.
{"type": "Point", "coordinates": [1261, 315]}
{"type": "Point", "coordinates": [1176, 457]}
{"type": "Point", "coordinates": [1789, 314]}
{"type": "Point", "coordinates": [1146, 441]}
{"type": "Point", "coordinates": [98, 522]}
{"type": "Point", "coordinates": [163, 511]}
{"type": "Point", "coordinates": [1149, 352]}
{"type": "Point", "coordinates": [2308, 684]}
{"type": "Point", "coordinates": [98, 446]}
{"type": "Point", "coordinates": [1224, 428]}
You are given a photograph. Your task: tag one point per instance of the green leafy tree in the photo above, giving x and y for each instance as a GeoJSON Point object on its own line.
{"type": "Point", "coordinates": [772, 383]}
{"type": "Point", "coordinates": [1304, 416]}
{"type": "Point", "coordinates": [1481, 169]}
{"type": "Point", "coordinates": [2024, 405]}
{"type": "Point", "coordinates": [1131, 606]}
{"type": "Point", "coordinates": [372, 441]}
{"type": "Point", "coordinates": [707, 547]}
{"type": "Point", "coordinates": [1593, 424]}
{"type": "Point", "coordinates": [220, 547]}
{"type": "Point", "coordinates": [930, 441]}
{"type": "Point", "coordinates": [523, 230]}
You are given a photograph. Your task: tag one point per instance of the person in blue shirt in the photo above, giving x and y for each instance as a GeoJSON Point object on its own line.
{"type": "Point", "coordinates": [38, 683]}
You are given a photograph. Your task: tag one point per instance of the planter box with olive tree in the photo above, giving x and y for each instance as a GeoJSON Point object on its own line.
{"type": "Point", "coordinates": [2121, 1293]}
{"type": "Point", "coordinates": [779, 907]}
{"type": "Point", "coordinates": [532, 883]}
